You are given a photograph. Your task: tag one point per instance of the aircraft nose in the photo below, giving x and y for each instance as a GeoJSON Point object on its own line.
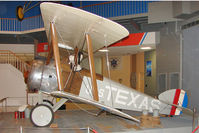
{"type": "Point", "coordinates": [35, 76]}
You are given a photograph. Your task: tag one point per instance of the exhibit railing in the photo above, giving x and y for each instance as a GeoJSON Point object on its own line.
{"type": "Point", "coordinates": [11, 104]}
{"type": "Point", "coordinates": [8, 57]}
{"type": "Point", "coordinates": [117, 8]}
{"type": "Point", "coordinates": [13, 24]}
{"type": "Point", "coordinates": [25, 129]}
{"type": "Point", "coordinates": [106, 9]}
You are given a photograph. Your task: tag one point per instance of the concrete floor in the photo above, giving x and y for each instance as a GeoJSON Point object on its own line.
{"type": "Point", "coordinates": [72, 121]}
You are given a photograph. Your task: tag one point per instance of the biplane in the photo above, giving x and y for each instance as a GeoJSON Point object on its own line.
{"type": "Point", "coordinates": [82, 34]}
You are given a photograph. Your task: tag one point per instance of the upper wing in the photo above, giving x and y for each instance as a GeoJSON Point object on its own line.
{"type": "Point", "coordinates": [95, 103]}
{"type": "Point", "coordinates": [72, 24]}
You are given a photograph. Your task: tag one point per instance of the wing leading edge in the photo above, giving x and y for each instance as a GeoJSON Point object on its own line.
{"type": "Point", "coordinates": [97, 104]}
{"type": "Point", "coordinates": [72, 24]}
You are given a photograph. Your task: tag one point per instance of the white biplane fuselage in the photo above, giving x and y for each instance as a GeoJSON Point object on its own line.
{"type": "Point", "coordinates": [119, 96]}
{"type": "Point", "coordinates": [110, 93]}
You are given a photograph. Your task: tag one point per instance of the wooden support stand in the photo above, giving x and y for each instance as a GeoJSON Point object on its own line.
{"type": "Point", "coordinates": [148, 121]}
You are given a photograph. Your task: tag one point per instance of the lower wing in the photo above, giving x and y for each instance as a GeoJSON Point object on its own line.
{"type": "Point", "coordinates": [95, 103]}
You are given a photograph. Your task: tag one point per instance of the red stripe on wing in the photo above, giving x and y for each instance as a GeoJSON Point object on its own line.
{"type": "Point", "coordinates": [132, 39]}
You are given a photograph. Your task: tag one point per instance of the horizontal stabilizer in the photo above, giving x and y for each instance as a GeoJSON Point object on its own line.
{"type": "Point", "coordinates": [177, 98]}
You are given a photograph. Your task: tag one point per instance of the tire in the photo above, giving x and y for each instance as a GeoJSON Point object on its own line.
{"type": "Point", "coordinates": [47, 102]}
{"type": "Point", "coordinates": [41, 115]}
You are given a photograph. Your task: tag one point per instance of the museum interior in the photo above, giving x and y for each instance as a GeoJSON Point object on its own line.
{"type": "Point", "coordinates": [99, 66]}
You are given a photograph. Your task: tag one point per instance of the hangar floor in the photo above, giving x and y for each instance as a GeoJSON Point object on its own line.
{"type": "Point", "coordinates": [78, 121]}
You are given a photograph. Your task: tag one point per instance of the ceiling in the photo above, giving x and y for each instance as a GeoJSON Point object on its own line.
{"type": "Point", "coordinates": [134, 24]}
{"type": "Point", "coordinates": [22, 37]}
{"type": "Point", "coordinates": [28, 38]}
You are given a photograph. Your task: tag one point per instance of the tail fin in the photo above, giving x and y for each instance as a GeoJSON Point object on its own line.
{"type": "Point", "coordinates": [174, 97]}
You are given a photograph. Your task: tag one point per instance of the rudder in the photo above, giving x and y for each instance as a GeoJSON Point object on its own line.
{"type": "Point", "coordinates": [175, 97]}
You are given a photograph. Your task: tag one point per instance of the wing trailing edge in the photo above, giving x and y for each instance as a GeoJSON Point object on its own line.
{"type": "Point", "coordinates": [95, 103]}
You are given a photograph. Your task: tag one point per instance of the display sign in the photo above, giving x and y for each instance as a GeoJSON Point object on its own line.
{"type": "Point", "coordinates": [148, 68]}
{"type": "Point", "coordinates": [42, 47]}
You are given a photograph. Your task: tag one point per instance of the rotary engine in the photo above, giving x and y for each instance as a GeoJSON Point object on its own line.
{"type": "Point", "coordinates": [42, 77]}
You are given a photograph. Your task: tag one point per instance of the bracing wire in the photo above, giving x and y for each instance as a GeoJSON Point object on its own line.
{"type": "Point", "coordinates": [167, 106]}
{"type": "Point", "coordinates": [82, 80]}
{"type": "Point", "coordinates": [108, 67]}
{"type": "Point", "coordinates": [62, 40]}
{"type": "Point", "coordinates": [69, 55]}
{"type": "Point", "coordinates": [82, 108]}
{"type": "Point", "coordinates": [89, 94]}
{"type": "Point", "coordinates": [68, 78]}
{"type": "Point", "coordinates": [86, 85]}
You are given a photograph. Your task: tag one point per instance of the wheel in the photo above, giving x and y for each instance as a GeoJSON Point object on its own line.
{"type": "Point", "coordinates": [41, 115]}
{"type": "Point", "coordinates": [47, 102]}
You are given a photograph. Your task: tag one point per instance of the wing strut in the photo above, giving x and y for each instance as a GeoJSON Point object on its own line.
{"type": "Point", "coordinates": [92, 67]}
{"type": "Point", "coordinates": [50, 53]}
{"type": "Point", "coordinates": [56, 55]}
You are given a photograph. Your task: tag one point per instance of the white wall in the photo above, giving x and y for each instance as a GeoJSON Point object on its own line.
{"type": "Point", "coordinates": [18, 48]}
{"type": "Point", "coordinates": [12, 85]}
{"type": "Point", "coordinates": [168, 54]}
{"type": "Point", "coordinates": [190, 57]}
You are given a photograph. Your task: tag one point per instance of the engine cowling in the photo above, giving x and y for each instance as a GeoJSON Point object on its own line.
{"type": "Point", "coordinates": [42, 77]}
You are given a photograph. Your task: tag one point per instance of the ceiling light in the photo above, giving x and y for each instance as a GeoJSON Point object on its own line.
{"type": "Point", "coordinates": [145, 48]}
{"type": "Point", "coordinates": [64, 46]}
{"type": "Point", "coordinates": [104, 50]}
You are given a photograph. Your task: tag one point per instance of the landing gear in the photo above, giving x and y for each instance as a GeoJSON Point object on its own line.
{"type": "Point", "coordinates": [47, 102]}
{"type": "Point", "coordinates": [42, 115]}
